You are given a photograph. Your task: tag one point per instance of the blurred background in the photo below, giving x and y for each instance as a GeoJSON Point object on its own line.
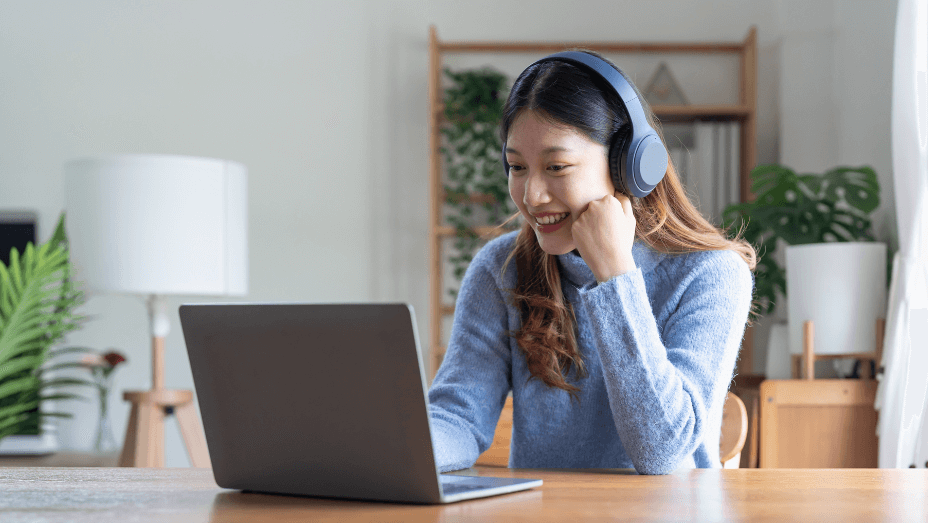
{"type": "Point", "coordinates": [326, 104]}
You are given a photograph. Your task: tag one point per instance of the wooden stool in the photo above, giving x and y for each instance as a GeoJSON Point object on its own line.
{"type": "Point", "coordinates": [144, 444]}
{"type": "Point", "coordinates": [805, 363]}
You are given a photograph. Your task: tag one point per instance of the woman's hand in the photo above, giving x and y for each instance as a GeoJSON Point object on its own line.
{"type": "Point", "coordinates": [604, 234]}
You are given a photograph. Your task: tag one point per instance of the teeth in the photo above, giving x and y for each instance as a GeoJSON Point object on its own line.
{"type": "Point", "coordinates": [551, 218]}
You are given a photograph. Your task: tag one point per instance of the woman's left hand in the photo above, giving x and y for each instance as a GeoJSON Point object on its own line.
{"type": "Point", "coordinates": [604, 234]}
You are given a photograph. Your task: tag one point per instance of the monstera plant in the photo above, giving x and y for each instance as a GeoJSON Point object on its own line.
{"type": "Point", "coordinates": [801, 209]}
{"type": "Point", "coordinates": [37, 308]}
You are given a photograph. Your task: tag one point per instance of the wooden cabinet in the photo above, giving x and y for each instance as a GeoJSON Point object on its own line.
{"type": "Point", "coordinates": [818, 424]}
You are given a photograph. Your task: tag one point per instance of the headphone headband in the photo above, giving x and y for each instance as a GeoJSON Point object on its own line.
{"type": "Point", "coordinates": [638, 163]}
{"type": "Point", "coordinates": [613, 77]}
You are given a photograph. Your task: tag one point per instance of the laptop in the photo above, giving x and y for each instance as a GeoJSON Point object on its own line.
{"type": "Point", "coordinates": [321, 400]}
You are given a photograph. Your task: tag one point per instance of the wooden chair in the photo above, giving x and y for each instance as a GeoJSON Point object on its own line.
{"type": "Point", "coordinates": [498, 453]}
{"type": "Point", "coordinates": [747, 388]}
{"type": "Point", "coordinates": [734, 433]}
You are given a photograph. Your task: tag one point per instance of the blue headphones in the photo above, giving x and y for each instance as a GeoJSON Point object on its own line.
{"type": "Point", "coordinates": [638, 159]}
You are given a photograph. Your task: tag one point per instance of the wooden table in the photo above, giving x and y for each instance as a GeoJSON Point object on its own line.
{"type": "Point", "coordinates": [101, 495]}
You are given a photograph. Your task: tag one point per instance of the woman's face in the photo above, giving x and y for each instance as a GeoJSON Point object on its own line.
{"type": "Point", "coordinates": [555, 171]}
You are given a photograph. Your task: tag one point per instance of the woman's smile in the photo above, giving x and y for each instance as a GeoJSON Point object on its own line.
{"type": "Point", "coordinates": [548, 222]}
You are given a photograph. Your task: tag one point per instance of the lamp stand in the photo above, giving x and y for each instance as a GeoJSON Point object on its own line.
{"type": "Point", "coordinates": [144, 443]}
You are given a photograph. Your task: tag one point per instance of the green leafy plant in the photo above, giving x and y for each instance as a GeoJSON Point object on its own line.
{"type": "Point", "coordinates": [476, 191]}
{"type": "Point", "coordinates": [37, 303]}
{"type": "Point", "coordinates": [801, 209]}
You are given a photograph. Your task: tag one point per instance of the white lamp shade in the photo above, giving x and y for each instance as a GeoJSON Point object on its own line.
{"type": "Point", "coordinates": [158, 224]}
{"type": "Point", "coordinates": [841, 288]}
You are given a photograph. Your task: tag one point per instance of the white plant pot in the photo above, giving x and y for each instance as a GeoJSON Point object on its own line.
{"type": "Point", "coordinates": [841, 288]}
{"type": "Point", "coordinates": [45, 443]}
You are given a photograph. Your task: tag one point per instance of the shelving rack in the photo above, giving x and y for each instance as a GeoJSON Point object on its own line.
{"type": "Point", "coordinates": [744, 112]}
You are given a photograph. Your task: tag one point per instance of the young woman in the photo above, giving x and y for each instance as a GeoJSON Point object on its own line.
{"type": "Point", "coordinates": [615, 320]}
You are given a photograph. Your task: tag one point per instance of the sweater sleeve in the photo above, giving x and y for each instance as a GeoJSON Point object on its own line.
{"type": "Point", "coordinates": [662, 385]}
{"type": "Point", "coordinates": [470, 388]}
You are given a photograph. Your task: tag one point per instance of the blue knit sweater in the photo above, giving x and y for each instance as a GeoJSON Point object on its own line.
{"type": "Point", "coordinates": [659, 344]}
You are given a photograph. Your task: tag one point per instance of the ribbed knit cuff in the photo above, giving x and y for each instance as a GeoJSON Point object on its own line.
{"type": "Point", "coordinates": [448, 444]}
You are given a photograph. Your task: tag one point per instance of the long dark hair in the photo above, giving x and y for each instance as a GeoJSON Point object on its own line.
{"type": "Point", "coordinates": [666, 219]}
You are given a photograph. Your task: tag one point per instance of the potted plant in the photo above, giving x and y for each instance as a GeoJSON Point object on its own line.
{"type": "Point", "coordinates": [37, 309]}
{"type": "Point", "coordinates": [812, 210]}
{"type": "Point", "coordinates": [801, 209]}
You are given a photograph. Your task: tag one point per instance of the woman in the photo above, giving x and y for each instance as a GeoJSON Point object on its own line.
{"type": "Point", "coordinates": [614, 320]}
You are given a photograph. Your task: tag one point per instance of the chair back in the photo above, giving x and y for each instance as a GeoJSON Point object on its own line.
{"type": "Point", "coordinates": [734, 431]}
{"type": "Point", "coordinates": [498, 453]}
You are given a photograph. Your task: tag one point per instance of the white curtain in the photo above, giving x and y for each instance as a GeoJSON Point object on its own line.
{"type": "Point", "coordinates": [901, 397]}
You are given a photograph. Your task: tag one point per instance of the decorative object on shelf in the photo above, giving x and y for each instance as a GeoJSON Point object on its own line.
{"type": "Point", "coordinates": [101, 368]}
{"type": "Point", "coordinates": [801, 209]}
{"type": "Point", "coordinates": [663, 89]}
{"type": "Point", "coordinates": [158, 225]}
{"type": "Point", "coordinates": [841, 289]}
{"type": "Point", "coordinates": [473, 108]}
{"type": "Point", "coordinates": [37, 309]}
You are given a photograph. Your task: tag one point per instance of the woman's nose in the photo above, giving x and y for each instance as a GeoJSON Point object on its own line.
{"type": "Point", "coordinates": [536, 190]}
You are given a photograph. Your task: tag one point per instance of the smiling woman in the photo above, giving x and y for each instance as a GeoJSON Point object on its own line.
{"type": "Point", "coordinates": [555, 172]}
{"type": "Point", "coordinates": [615, 314]}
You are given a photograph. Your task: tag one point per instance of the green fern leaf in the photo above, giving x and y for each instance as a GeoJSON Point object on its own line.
{"type": "Point", "coordinates": [63, 396]}
{"type": "Point", "coordinates": [17, 410]}
{"type": "Point", "coordinates": [58, 382]}
{"type": "Point", "coordinates": [15, 273]}
{"type": "Point", "coordinates": [19, 351]}
{"type": "Point", "coordinates": [16, 386]}
{"type": "Point", "coordinates": [36, 310]}
{"type": "Point", "coordinates": [9, 426]}
{"type": "Point", "coordinates": [54, 353]}
{"type": "Point", "coordinates": [17, 365]}
{"type": "Point", "coordinates": [65, 365]}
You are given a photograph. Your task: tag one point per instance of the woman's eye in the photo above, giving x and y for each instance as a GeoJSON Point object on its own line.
{"type": "Point", "coordinates": [514, 169]}
{"type": "Point", "coordinates": [557, 168]}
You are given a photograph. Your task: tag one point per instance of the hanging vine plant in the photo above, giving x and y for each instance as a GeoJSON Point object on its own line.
{"type": "Point", "coordinates": [476, 191]}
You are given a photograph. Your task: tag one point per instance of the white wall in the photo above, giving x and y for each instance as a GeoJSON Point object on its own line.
{"type": "Point", "coordinates": [325, 103]}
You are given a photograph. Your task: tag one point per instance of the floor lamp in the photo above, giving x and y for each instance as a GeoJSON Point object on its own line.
{"type": "Point", "coordinates": [155, 226]}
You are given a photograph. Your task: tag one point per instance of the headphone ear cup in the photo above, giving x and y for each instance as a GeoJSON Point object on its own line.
{"type": "Point", "coordinates": [617, 153]}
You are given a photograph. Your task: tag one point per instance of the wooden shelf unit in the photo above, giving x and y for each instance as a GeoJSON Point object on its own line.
{"type": "Point", "coordinates": [744, 112]}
